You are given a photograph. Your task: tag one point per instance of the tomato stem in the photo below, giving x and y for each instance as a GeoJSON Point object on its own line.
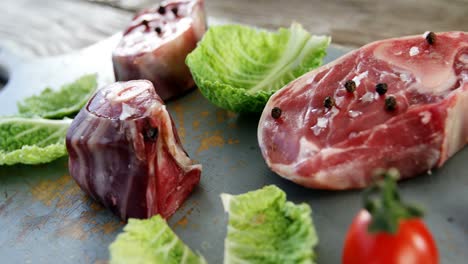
{"type": "Point", "coordinates": [383, 202]}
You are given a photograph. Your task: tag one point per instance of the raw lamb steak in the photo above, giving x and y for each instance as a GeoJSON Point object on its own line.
{"type": "Point", "coordinates": [156, 43]}
{"type": "Point", "coordinates": [399, 103]}
{"type": "Point", "coordinates": [125, 152]}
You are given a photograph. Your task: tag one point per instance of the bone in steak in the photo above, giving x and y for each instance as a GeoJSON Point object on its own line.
{"type": "Point", "coordinates": [156, 43]}
{"type": "Point", "coordinates": [409, 111]}
{"type": "Point", "coordinates": [124, 151]}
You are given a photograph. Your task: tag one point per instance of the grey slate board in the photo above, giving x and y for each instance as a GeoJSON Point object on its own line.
{"type": "Point", "coordinates": [45, 217]}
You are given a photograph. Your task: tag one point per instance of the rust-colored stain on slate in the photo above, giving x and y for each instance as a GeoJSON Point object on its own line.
{"type": "Point", "coordinates": [196, 124]}
{"type": "Point", "coordinates": [220, 116]}
{"type": "Point", "coordinates": [232, 125]}
{"type": "Point", "coordinates": [182, 222]}
{"type": "Point", "coordinates": [179, 113]}
{"type": "Point", "coordinates": [95, 206]}
{"type": "Point", "coordinates": [74, 229]}
{"type": "Point", "coordinates": [63, 194]}
{"type": "Point", "coordinates": [449, 241]}
{"type": "Point", "coordinates": [77, 228]}
{"type": "Point", "coordinates": [211, 140]}
{"type": "Point", "coordinates": [223, 115]}
{"type": "Point", "coordinates": [63, 190]}
{"type": "Point", "coordinates": [100, 261]}
{"type": "Point", "coordinates": [238, 164]}
{"type": "Point", "coordinates": [110, 227]}
{"type": "Point", "coordinates": [232, 141]}
{"type": "Point", "coordinates": [86, 224]}
{"type": "Point", "coordinates": [31, 223]}
{"type": "Point", "coordinates": [214, 139]}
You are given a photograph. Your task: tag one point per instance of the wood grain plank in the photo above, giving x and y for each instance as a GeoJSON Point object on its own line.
{"type": "Point", "coordinates": [51, 220]}
{"type": "Point", "coordinates": [32, 28]}
{"type": "Point", "coordinates": [35, 28]}
{"type": "Point", "coordinates": [351, 23]}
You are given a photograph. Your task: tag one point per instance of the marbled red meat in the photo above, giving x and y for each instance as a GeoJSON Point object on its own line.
{"type": "Point", "coordinates": [341, 146]}
{"type": "Point", "coordinates": [124, 151]}
{"type": "Point", "coordinates": [156, 43]}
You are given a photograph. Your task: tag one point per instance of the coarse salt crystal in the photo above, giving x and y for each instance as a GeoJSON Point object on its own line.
{"type": "Point", "coordinates": [464, 58]}
{"type": "Point", "coordinates": [354, 114]}
{"type": "Point", "coordinates": [127, 111]}
{"type": "Point", "coordinates": [414, 51]}
{"type": "Point", "coordinates": [405, 77]}
{"type": "Point", "coordinates": [339, 100]}
{"type": "Point", "coordinates": [316, 130]}
{"type": "Point", "coordinates": [425, 117]}
{"type": "Point", "coordinates": [357, 79]}
{"type": "Point", "coordinates": [322, 122]}
{"type": "Point", "coordinates": [464, 77]}
{"type": "Point", "coordinates": [368, 97]}
{"type": "Point", "coordinates": [353, 135]}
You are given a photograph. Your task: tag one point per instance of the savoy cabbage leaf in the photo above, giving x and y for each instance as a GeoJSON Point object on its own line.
{"type": "Point", "coordinates": [151, 241]}
{"type": "Point", "coordinates": [238, 67]}
{"type": "Point", "coordinates": [32, 140]}
{"type": "Point", "coordinates": [265, 228]}
{"type": "Point", "coordinates": [64, 102]}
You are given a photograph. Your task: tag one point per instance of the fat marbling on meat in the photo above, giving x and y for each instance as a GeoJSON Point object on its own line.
{"type": "Point", "coordinates": [339, 147]}
{"type": "Point", "coordinates": [156, 43]}
{"type": "Point", "coordinates": [124, 152]}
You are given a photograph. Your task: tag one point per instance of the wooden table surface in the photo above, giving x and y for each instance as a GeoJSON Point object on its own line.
{"type": "Point", "coordinates": [40, 28]}
{"type": "Point", "coordinates": [33, 28]}
{"type": "Point", "coordinates": [37, 28]}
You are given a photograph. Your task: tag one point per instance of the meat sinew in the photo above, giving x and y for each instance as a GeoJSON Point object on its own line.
{"type": "Point", "coordinates": [156, 43]}
{"type": "Point", "coordinates": [399, 103]}
{"type": "Point", "coordinates": [125, 152]}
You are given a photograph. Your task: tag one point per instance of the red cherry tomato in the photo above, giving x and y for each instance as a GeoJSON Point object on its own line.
{"type": "Point", "coordinates": [412, 244]}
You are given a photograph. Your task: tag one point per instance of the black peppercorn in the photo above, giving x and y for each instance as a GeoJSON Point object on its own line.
{"type": "Point", "coordinates": [174, 10]}
{"type": "Point", "coordinates": [381, 88]}
{"type": "Point", "coordinates": [350, 86]}
{"type": "Point", "coordinates": [276, 112]}
{"type": "Point", "coordinates": [145, 23]}
{"type": "Point", "coordinates": [161, 10]}
{"type": "Point", "coordinates": [329, 102]}
{"type": "Point", "coordinates": [431, 38]}
{"type": "Point", "coordinates": [390, 103]}
{"type": "Point", "coordinates": [158, 30]}
{"type": "Point", "coordinates": [151, 133]}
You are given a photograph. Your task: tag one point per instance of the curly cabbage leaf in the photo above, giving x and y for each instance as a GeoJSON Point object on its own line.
{"type": "Point", "coordinates": [265, 228]}
{"type": "Point", "coordinates": [32, 140]}
{"type": "Point", "coordinates": [65, 102]}
{"type": "Point", "coordinates": [150, 241]}
{"type": "Point", "coordinates": [238, 67]}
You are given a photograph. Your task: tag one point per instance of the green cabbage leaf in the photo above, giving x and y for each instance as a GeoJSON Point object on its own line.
{"type": "Point", "coordinates": [265, 228]}
{"type": "Point", "coordinates": [64, 102]}
{"type": "Point", "coordinates": [150, 241]}
{"type": "Point", "coordinates": [32, 140]}
{"type": "Point", "coordinates": [238, 67]}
